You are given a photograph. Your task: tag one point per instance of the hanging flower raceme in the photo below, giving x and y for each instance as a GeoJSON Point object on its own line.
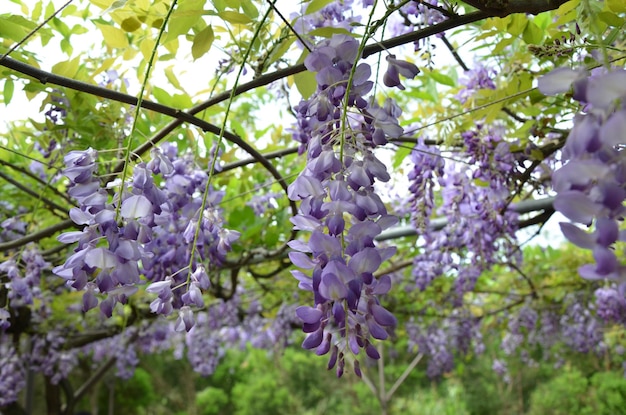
{"type": "Point", "coordinates": [591, 186]}
{"type": "Point", "coordinates": [340, 208]}
{"type": "Point", "coordinates": [146, 231]}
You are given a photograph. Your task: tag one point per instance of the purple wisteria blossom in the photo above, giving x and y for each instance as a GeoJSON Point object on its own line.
{"type": "Point", "coordinates": [591, 186]}
{"type": "Point", "coordinates": [340, 209]}
{"type": "Point", "coordinates": [479, 225]}
{"type": "Point", "coordinates": [149, 231]}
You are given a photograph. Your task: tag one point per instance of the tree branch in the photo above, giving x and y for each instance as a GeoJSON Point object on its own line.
{"type": "Point", "coordinates": [36, 236]}
{"type": "Point", "coordinates": [502, 8]}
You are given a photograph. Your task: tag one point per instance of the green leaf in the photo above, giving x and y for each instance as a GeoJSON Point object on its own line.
{"type": "Point", "coordinates": [280, 51]}
{"type": "Point", "coordinates": [532, 35]}
{"type": "Point", "coordinates": [161, 95]}
{"type": "Point", "coordinates": [66, 68]}
{"type": "Point", "coordinates": [306, 83]}
{"type": "Point", "coordinates": [131, 24]}
{"type": "Point", "coordinates": [501, 45]}
{"type": "Point", "coordinates": [249, 9]}
{"type": "Point", "coordinates": [234, 17]}
{"type": "Point", "coordinates": [330, 31]}
{"type": "Point", "coordinates": [617, 6]}
{"type": "Point", "coordinates": [441, 78]}
{"type": "Point", "coordinates": [169, 74]}
{"type": "Point", "coordinates": [401, 154]}
{"type": "Point", "coordinates": [202, 42]}
{"type": "Point", "coordinates": [316, 5]}
{"type": "Point", "coordinates": [611, 19]}
{"type": "Point", "coordinates": [113, 37]}
{"type": "Point", "coordinates": [9, 29]}
{"type": "Point", "coordinates": [7, 93]}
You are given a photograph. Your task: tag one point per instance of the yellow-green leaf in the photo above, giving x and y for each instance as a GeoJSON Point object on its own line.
{"type": "Point", "coordinates": [316, 5]}
{"type": "Point", "coordinates": [7, 93]}
{"type": "Point", "coordinates": [66, 68]}
{"type": "Point", "coordinates": [202, 42]}
{"type": "Point", "coordinates": [617, 6]}
{"type": "Point", "coordinates": [330, 31]}
{"type": "Point", "coordinates": [234, 17]}
{"type": "Point", "coordinates": [611, 19]}
{"type": "Point", "coordinates": [11, 30]}
{"type": "Point", "coordinates": [532, 35]}
{"type": "Point", "coordinates": [113, 37]}
{"type": "Point", "coordinates": [306, 83]}
{"type": "Point", "coordinates": [131, 24]}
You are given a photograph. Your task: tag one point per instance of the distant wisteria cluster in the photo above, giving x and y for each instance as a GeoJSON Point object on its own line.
{"type": "Point", "coordinates": [440, 341]}
{"type": "Point", "coordinates": [338, 128]}
{"type": "Point", "coordinates": [148, 230]}
{"type": "Point", "coordinates": [480, 231]}
{"type": "Point", "coordinates": [591, 185]}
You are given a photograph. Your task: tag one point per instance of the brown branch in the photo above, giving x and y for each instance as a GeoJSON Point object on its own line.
{"type": "Point", "coordinates": [502, 8]}
{"type": "Point", "coordinates": [36, 236]}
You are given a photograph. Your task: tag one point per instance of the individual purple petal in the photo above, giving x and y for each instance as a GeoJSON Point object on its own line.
{"type": "Point", "coordinates": [301, 260]}
{"type": "Point", "coordinates": [80, 217]}
{"type": "Point", "coordinates": [106, 306]}
{"type": "Point", "coordinates": [366, 261]}
{"type": "Point", "coordinates": [613, 131]}
{"type": "Point", "coordinates": [324, 244]}
{"type": "Point", "coordinates": [313, 340]}
{"type": "Point", "coordinates": [159, 286]}
{"type": "Point", "coordinates": [185, 319]}
{"type": "Point", "coordinates": [383, 285]}
{"type": "Point", "coordinates": [332, 288]}
{"type": "Point", "coordinates": [89, 301]}
{"type": "Point", "coordinates": [607, 231]}
{"type": "Point", "coordinates": [200, 276]}
{"type": "Point", "coordinates": [100, 258]}
{"type": "Point", "coordinates": [577, 236]}
{"type": "Point", "coordinates": [136, 206]}
{"type": "Point", "coordinates": [333, 357]}
{"type": "Point", "coordinates": [339, 314]}
{"type": "Point", "coordinates": [558, 80]}
{"type": "Point", "coordinates": [299, 246]}
{"type": "Point", "coordinates": [128, 250]}
{"type": "Point", "coordinates": [383, 316]}
{"type": "Point", "coordinates": [576, 206]}
{"type": "Point", "coordinates": [303, 187]}
{"type": "Point", "coordinates": [309, 315]}
{"type": "Point", "coordinates": [324, 348]}
{"type": "Point", "coordinates": [70, 237]}
{"type": "Point", "coordinates": [193, 296]}
{"type": "Point", "coordinates": [305, 223]}
{"type": "Point", "coordinates": [372, 352]}
{"type": "Point", "coordinates": [603, 91]}
{"type": "Point", "coordinates": [375, 329]}
{"type": "Point", "coordinates": [606, 261]}
{"type": "Point", "coordinates": [305, 282]}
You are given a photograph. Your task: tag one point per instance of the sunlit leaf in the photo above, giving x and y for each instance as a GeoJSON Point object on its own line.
{"type": "Point", "coordinates": [316, 5]}
{"type": "Point", "coordinates": [7, 92]}
{"type": "Point", "coordinates": [113, 37]}
{"type": "Point", "coordinates": [131, 24]}
{"type": "Point", "coordinates": [234, 17]}
{"type": "Point", "coordinates": [202, 42]}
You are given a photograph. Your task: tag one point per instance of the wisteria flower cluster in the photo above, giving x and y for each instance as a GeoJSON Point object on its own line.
{"type": "Point", "coordinates": [441, 340]}
{"type": "Point", "coordinates": [591, 186]}
{"type": "Point", "coordinates": [479, 225]}
{"type": "Point", "coordinates": [338, 129]}
{"type": "Point", "coordinates": [148, 230]}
